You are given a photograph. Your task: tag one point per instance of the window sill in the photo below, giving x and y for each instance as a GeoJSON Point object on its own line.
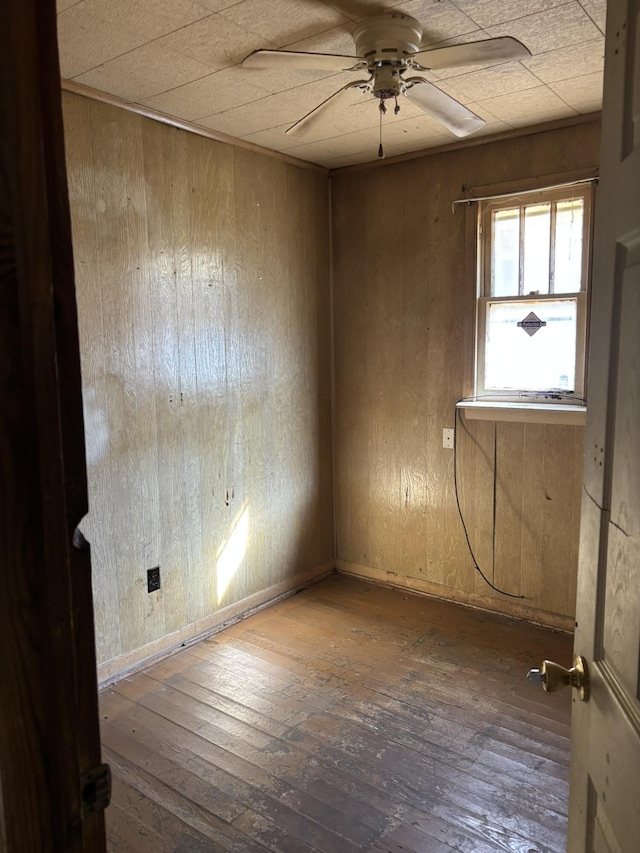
{"type": "Point", "coordinates": [535, 413]}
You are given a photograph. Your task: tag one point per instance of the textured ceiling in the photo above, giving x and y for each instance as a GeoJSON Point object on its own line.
{"type": "Point", "coordinates": [181, 58]}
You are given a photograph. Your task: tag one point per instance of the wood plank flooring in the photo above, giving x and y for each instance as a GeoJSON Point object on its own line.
{"type": "Point", "coordinates": [350, 717]}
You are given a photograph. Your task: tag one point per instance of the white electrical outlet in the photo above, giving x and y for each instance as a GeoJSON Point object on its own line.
{"type": "Point", "coordinates": [447, 438]}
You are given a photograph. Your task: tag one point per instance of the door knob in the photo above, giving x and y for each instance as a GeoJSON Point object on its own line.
{"type": "Point", "coordinates": [553, 677]}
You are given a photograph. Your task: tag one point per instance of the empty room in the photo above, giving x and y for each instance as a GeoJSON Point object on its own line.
{"type": "Point", "coordinates": [320, 383]}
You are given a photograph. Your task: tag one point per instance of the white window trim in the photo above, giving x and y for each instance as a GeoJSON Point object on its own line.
{"type": "Point", "coordinates": [578, 393]}
{"type": "Point", "coordinates": [537, 413]}
{"type": "Point", "coordinates": [541, 408]}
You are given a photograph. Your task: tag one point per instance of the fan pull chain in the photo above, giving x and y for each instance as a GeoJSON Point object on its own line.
{"type": "Point", "coordinates": [383, 110]}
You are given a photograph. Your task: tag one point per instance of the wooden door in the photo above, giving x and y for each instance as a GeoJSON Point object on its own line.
{"type": "Point", "coordinates": [49, 739]}
{"type": "Point", "coordinates": [604, 812]}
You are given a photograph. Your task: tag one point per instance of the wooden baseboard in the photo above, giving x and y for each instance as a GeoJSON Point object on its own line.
{"type": "Point", "coordinates": [468, 599]}
{"type": "Point", "coordinates": [130, 662]}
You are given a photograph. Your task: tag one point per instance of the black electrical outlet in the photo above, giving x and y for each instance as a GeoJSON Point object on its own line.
{"type": "Point", "coordinates": [153, 579]}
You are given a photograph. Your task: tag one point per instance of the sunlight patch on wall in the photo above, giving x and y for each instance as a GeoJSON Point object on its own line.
{"type": "Point", "coordinates": [232, 553]}
{"type": "Point", "coordinates": [96, 427]}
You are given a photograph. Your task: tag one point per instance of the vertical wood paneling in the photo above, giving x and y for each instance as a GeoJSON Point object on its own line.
{"type": "Point", "coordinates": [205, 224]}
{"type": "Point", "coordinates": [319, 314]}
{"type": "Point", "coordinates": [84, 203]}
{"type": "Point", "coordinates": [481, 457]}
{"type": "Point", "coordinates": [307, 326]}
{"type": "Point", "coordinates": [576, 466]}
{"type": "Point", "coordinates": [146, 449]}
{"type": "Point", "coordinates": [167, 191]}
{"type": "Point", "coordinates": [383, 312]}
{"type": "Point", "coordinates": [203, 303]}
{"type": "Point", "coordinates": [538, 480]}
{"type": "Point", "coordinates": [180, 227]}
{"type": "Point", "coordinates": [510, 522]}
{"type": "Point", "coordinates": [413, 406]}
{"type": "Point", "coordinates": [118, 175]}
{"type": "Point", "coordinates": [233, 426]}
{"type": "Point", "coordinates": [404, 320]}
{"type": "Point", "coordinates": [251, 354]}
{"type": "Point", "coordinates": [475, 452]}
{"type": "Point", "coordinates": [562, 488]}
{"type": "Point", "coordinates": [275, 391]}
{"type": "Point", "coordinates": [350, 199]}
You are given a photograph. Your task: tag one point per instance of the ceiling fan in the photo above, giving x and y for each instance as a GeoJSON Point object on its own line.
{"type": "Point", "coordinates": [387, 48]}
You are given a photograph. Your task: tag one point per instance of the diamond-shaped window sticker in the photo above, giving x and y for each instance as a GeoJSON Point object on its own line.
{"type": "Point", "coordinates": [531, 324]}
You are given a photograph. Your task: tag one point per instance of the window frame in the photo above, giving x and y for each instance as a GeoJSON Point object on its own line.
{"type": "Point", "coordinates": [484, 209]}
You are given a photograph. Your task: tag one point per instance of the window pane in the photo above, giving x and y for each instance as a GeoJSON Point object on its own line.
{"type": "Point", "coordinates": [568, 261]}
{"type": "Point", "coordinates": [537, 234]}
{"type": "Point", "coordinates": [543, 361]}
{"type": "Point", "coordinates": [505, 252]}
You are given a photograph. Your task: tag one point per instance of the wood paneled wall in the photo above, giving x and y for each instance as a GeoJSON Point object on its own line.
{"type": "Point", "coordinates": [404, 327]}
{"type": "Point", "coordinates": [203, 292]}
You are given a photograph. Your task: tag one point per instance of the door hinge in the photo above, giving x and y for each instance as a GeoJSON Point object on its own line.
{"type": "Point", "coordinates": [96, 790]}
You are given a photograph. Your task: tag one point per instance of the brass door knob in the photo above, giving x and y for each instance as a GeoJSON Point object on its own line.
{"type": "Point", "coordinates": [553, 677]}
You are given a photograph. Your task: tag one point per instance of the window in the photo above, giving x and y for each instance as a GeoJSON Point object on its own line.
{"type": "Point", "coordinates": [533, 265]}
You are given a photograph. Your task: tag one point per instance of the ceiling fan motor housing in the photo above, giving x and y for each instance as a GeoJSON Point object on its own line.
{"type": "Point", "coordinates": [388, 38]}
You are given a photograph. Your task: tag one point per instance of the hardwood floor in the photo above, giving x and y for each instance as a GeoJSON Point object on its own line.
{"type": "Point", "coordinates": [349, 717]}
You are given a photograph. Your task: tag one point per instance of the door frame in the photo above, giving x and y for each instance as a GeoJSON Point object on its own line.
{"type": "Point", "coordinates": [594, 743]}
{"type": "Point", "coordinates": [49, 734]}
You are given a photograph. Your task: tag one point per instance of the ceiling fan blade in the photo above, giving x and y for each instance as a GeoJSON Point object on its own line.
{"type": "Point", "coordinates": [286, 59]}
{"type": "Point", "coordinates": [505, 49]}
{"type": "Point", "coordinates": [449, 112]}
{"type": "Point", "coordinates": [334, 102]}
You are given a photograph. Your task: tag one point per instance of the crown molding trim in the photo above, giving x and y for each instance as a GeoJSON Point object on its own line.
{"type": "Point", "coordinates": [190, 127]}
{"type": "Point", "coordinates": [513, 133]}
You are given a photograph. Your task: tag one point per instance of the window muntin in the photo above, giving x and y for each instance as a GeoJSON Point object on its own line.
{"type": "Point", "coordinates": [533, 260]}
